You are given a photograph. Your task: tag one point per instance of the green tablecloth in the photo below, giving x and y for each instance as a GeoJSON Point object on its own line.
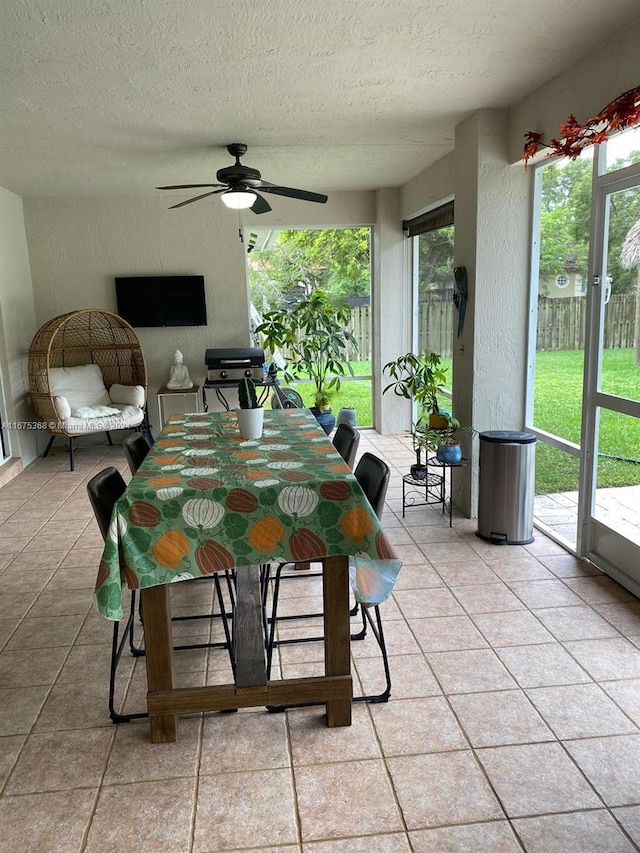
{"type": "Point", "coordinates": [205, 500]}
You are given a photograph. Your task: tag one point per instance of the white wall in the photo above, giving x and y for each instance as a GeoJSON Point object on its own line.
{"type": "Point", "coordinates": [77, 246]}
{"type": "Point", "coordinates": [17, 324]}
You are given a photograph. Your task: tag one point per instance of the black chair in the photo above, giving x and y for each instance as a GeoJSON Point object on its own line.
{"type": "Point", "coordinates": [373, 476]}
{"type": "Point", "coordinates": [104, 490]}
{"type": "Point", "coordinates": [136, 448]}
{"type": "Point", "coordinates": [345, 440]}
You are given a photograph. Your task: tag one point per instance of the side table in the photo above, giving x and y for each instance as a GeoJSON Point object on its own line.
{"type": "Point", "coordinates": [164, 393]}
{"type": "Point", "coordinates": [431, 489]}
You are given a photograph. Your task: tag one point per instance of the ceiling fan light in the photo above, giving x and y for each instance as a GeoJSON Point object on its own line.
{"type": "Point", "coordinates": [238, 199]}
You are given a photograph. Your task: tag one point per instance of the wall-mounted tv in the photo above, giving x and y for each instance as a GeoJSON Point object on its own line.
{"type": "Point", "coordinates": [161, 300]}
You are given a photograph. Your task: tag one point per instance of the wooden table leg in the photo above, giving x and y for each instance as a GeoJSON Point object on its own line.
{"type": "Point", "coordinates": [158, 640]}
{"type": "Point", "coordinates": [337, 630]}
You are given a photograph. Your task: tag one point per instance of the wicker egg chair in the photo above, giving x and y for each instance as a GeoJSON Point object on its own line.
{"type": "Point", "coordinates": [86, 337]}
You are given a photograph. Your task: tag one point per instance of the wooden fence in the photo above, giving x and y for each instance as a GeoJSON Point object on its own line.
{"type": "Point", "coordinates": [561, 325]}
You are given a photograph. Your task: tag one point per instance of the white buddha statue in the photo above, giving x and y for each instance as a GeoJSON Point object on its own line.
{"type": "Point", "coordinates": [179, 374]}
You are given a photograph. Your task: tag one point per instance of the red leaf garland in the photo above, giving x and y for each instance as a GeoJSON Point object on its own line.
{"type": "Point", "coordinates": [623, 112]}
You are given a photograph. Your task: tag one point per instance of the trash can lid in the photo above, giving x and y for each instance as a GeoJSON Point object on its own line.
{"type": "Point", "coordinates": [506, 436]}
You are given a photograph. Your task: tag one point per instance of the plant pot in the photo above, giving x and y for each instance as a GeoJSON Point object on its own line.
{"type": "Point", "coordinates": [438, 421]}
{"type": "Point", "coordinates": [250, 422]}
{"type": "Point", "coordinates": [325, 418]}
{"type": "Point", "coordinates": [449, 454]}
{"type": "Point", "coordinates": [346, 415]}
{"type": "Point", "coordinates": [419, 472]}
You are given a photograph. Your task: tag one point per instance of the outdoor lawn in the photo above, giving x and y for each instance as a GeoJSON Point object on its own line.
{"type": "Point", "coordinates": [557, 410]}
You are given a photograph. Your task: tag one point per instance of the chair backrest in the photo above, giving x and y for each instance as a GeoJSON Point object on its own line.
{"type": "Point", "coordinates": [346, 441]}
{"type": "Point", "coordinates": [104, 490]}
{"type": "Point", "coordinates": [136, 448]}
{"type": "Point", "coordinates": [373, 475]}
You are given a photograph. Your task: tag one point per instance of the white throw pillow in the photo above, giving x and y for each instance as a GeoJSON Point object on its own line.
{"type": "Point", "coordinates": [127, 395]}
{"type": "Point", "coordinates": [82, 385]}
{"type": "Point", "coordinates": [62, 407]}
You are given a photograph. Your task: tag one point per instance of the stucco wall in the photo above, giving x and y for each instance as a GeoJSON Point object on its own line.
{"type": "Point", "coordinates": [17, 324]}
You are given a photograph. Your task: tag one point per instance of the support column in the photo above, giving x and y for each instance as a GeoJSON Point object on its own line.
{"type": "Point", "coordinates": [392, 309]}
{"type": "Point", "coordinates": [492, 215]}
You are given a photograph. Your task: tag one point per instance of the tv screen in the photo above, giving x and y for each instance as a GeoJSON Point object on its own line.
{"type": "Point", "coordinates": [161, 300]}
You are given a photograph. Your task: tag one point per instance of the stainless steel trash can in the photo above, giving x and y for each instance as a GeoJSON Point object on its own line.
{"type": "Point", "coordinates": [506, 487]}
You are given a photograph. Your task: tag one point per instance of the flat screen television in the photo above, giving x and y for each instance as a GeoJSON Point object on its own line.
{"type": "Point", "coordinates": [161, 300]}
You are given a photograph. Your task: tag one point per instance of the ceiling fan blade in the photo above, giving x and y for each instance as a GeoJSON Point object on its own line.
{"type": "Point", "coordinates": [260, 205]}
{"type": "Point", "coordinates": [189, 200]}
{"type": "Point", "coordinates": [189, 186]}
{"type": "Point", "coordinates": [290, 192]}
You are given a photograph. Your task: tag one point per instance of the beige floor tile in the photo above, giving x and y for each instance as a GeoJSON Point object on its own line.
{"type": "Point", "coordinates": [331, 802]}
{"type": "Point", "coordinates": [30, 667]}
{"type": "Point", "coordinates": [248, 740]}
{"type": "Point", "coordinates": [544, 593]}
{"type": "Point", "coordinates": [45, 632]}
{"type": "Point", "coordinates": [237, 810]}
{"type": "Point", "coordinates": [447, 633]}
{"type": "Point", "coordinates": [68, 707]}
{"type": "Point", "coordinates": [398, 636]}
{"type": "Point", "coordinates": [486, 598]}
{"type": "Point", "coordinates": [536, 778]}
{"type": "Point", "coordinates": [19, 708]}
{"type": "Point", "coordinates": [16, 604]}
{"type": "Point", "coordinates": [511, 628]}
{"type": "Point", "coordinates": [396, 843]}
{"type": "Point", "coordinates": [448, 552]}
{"type": "Point", "coordinates": [576, 623]}
{"type": "Point", "coordinates": [611, 765]}
{"type": "Point", "coordinates": [629, 817]}
{"type": "Point", "coordinates": [414, 726]}
{"type": "Point", "coordinates": [542, 666]}
{"type": "Point", "coordinates": [599, 590]}
{"type": "Point", "coordinates": [74, 760]}
{"type": "Point", "coordinates": [9, 749]}
{"type": "Point", "coordinates": [418, 576]}
{"type": "Point", "coordinates": [626, 694]}
{"type": "Point", "coordinates": [572, 833]}
{"type": "Point", "coordinates": [51, 602]}
{"type": "Point", "coordinates": [580, 711]}
{"type": "Point", "coordinates": [143, 817]}
{"type": "Point", "coordinates": [496, 837]}
{"type": "Point", "coordinates": [411, 676]}
{"type": "Point", "coordinates": [92, 663]}
{"type": "Point", "coordinates": [134, 758]}
{"type": "Point", "coordinates": [514, 720]}
{"type": "Point", "coordinates": [565, 565]}
{"type": "Point", "coordinates": [421, 603]}
{"type": "Point", "coordinates": [624, 617]}
{"type": "Point", "coordinates": [312, 742]}
{"type": "Point", "coordinates": [607, 659]}
{"type": "Point", "coordinates": [468, 572]}
{"type": "Point", "coordinates": [442, 789]}
{"type": "Point", "coordinates": [471, 671]}
{"type": "Point", "coordinates": [53, 822]}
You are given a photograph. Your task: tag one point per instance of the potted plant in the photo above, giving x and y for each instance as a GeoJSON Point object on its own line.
{"type": "Point", "coordinates": [250, 413]}
{"type": "Point", "coordinates": [421, 378]}
{"type": "Point", "coordinates": [313, 336]}
{"type": "Point", "coordinates": [444, 441]}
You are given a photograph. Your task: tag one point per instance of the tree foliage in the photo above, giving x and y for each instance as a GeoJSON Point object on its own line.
{"type": "Point", "coordinates": [565, 220]}
{"type": "Point", "coordinates": [335, 259]}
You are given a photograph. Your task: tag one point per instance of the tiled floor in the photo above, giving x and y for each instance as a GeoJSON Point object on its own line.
{"type": "Point", "coordinates": [513, 724]}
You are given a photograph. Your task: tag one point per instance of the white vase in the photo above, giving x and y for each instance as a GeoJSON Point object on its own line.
{"type": "Point", "coordinates": [250, 422]}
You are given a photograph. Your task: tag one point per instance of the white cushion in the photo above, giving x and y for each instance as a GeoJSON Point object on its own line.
{"type": "Point", "coordinates": [62, 407]}
{"type": "Point", "coordinates": [82, 385]}
{"type": "Point", "coordinates": [127, 417]}
{"type": "Point", "coordinates": [128, 395]}
{"type": "Point", "coordinates": [94, 411]}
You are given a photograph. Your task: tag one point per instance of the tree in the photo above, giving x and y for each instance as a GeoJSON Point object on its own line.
{"type": "Point", "coordinates": [338, 259]}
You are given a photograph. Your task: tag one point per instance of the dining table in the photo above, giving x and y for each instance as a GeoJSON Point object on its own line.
{"type": "Point", "coordinates": [205, 500]}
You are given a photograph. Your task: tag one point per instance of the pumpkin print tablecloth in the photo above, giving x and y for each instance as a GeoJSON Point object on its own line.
{"type": "Point", "coordinates": [205, 500]}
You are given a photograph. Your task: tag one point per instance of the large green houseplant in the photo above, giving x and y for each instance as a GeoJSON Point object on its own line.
{"type": "Point", "coordinates": [313, 337]}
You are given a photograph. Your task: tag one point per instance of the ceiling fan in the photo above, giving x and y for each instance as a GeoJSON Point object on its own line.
{"type": "Point", "coordinates": [238, 185]}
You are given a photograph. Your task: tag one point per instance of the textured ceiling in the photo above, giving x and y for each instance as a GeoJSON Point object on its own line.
{"type": "Point", "coordinates": [106, 97]}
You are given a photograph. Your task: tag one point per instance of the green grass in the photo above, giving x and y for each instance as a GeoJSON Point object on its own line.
{"type": "Point", "coordinates": [557, 409]}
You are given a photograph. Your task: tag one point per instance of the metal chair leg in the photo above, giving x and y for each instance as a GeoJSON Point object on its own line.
{"type": "Point", "coordinates": [378, 633]}
{"type": "Point", "coordinates": [51, 440]}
